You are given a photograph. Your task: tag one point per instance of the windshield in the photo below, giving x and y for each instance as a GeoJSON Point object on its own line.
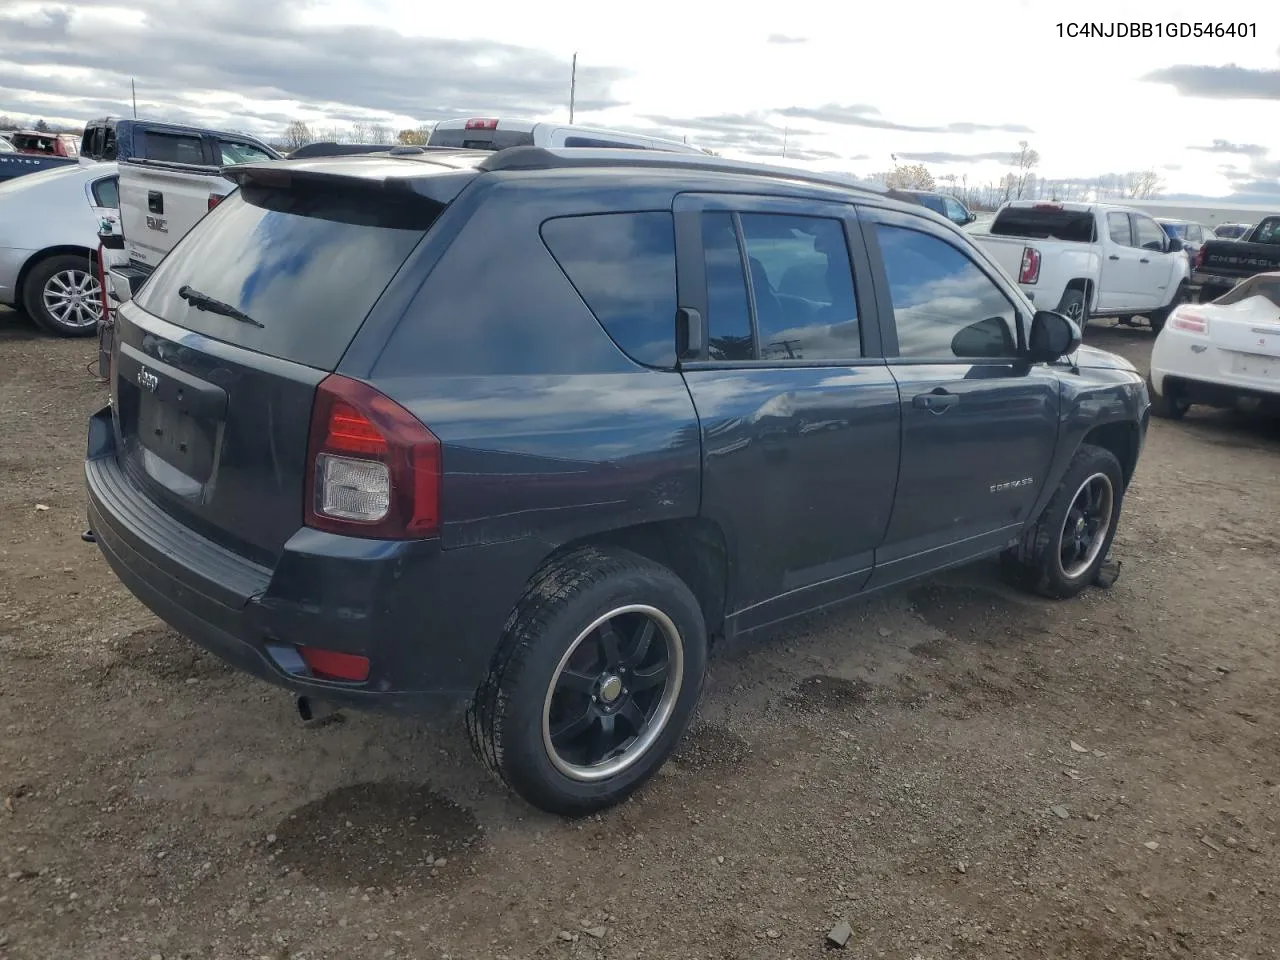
{"type": "Point", "coordinates": [306, 264]}
{"type": "Point", "coordinates": [1044, 223]}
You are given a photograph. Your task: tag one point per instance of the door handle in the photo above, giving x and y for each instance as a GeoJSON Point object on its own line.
{"type": "Point", "coordinates": [155, 201]}
{"type": "Point", "coordinates": [935, 402]}
{"type": "Point", "coordinates": [1113, 257]}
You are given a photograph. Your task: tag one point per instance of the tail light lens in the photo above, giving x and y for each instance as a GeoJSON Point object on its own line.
{"type": "Point", "coordinates": [1189, 322]}
{"type": "Point", "coordinates": [482, 125]}
{"type": "Point", "coordinates": [214, 200]}
{"type": "Point", "coordinates": [373, 469]}
{"type": "Point", "coordinates": [1029, 272]}
{"type": "Point", "coordinates": [335, 665]}
{"type": "Point", "coordinates": [1199, 259]}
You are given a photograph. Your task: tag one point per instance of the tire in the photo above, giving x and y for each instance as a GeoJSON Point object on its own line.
{"type": "Point", "coordinates": [552, 670]}
{"type": "Point", "coordinates": [61, 294]}
{"type": "Point", "coordinates": [1039, 562]}
{"type": "Point", "coordinates": [1075, 305]}
{"type": "Point", "coordinates": [1165, 406]}
{"type": "Point", "coordinates": [1160, 317]}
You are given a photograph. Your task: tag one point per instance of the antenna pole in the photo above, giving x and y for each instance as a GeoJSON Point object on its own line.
{"type": "Point", "coordinates": [573, 85]}
{"type": "Point", "coordinates": [133, 87]}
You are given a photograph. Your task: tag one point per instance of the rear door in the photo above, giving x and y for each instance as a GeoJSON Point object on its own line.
{"type": "Point", "coordinates": [798, 411]}
{"type": "Point", "coordinates": [979, 423]}
{"type": "Point", "coordinates": [1159, 269]}
{"type": "Point", "coordinates": [212, 412]}
{"type": "Point", "coordinates": [1122, 284]}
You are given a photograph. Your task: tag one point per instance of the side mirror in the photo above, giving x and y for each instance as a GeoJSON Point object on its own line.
{"type": "Point", "coordinates": [1053, 336]}
{"type": "Point", "coordinates": [1175, 245]}
{"type": "Point", "coordinates": [970, 217]}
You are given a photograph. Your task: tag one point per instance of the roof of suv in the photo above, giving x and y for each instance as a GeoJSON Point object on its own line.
{"type": "Point", "coordinates": [412, 165]}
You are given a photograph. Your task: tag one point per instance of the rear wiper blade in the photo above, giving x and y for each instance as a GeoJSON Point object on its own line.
{"type": "Point", "coordinates": [202, 301]}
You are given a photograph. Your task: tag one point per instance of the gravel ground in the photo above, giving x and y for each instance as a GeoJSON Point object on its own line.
{"type": "Point", "coordinates": [954, 769]}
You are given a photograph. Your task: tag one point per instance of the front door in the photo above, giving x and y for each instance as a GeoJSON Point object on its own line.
{"type": "Point", "coordinates": [798, 410]}
{"type": "Point", "coordinates": [1121, 283]}
{"type": "Point", "coordinates": [979, 423]}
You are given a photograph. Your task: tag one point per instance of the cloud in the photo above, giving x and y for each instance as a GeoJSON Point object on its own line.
{"type": "Point", "coordinates": [1230, 82]}
{"type": "Point", "coordinates": [782, 38]}
{"type": "Point", "coordinates": [942, 156]}
{"type": "Point", "coordinates": [750, 133]}
{"type": "Point", "coordinates": [330, 69]}
{"type": "Point", "coordinates": [1226, 146]}
{"type": "Point", "coordinates": [861, 115]}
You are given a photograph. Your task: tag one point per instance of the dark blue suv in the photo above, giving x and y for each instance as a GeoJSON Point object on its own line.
{"type": "Point", "coordinates": [524, 431]}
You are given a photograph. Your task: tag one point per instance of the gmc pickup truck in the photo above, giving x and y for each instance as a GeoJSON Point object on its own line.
{"type": "Point", "coordinates": [1221, 264]}
{"type": "Point", "coordinates": [1090, 259]}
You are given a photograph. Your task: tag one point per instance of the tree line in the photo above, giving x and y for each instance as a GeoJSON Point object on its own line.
{"type": "Point", "coordinates": [1022, 182]}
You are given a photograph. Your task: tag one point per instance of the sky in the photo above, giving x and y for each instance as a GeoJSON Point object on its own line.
{"type": "Point", "coordinates": [842, 86]}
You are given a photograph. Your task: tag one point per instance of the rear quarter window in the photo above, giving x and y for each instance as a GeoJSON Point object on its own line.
{"type": "Point", "coordinates": [623, 265]}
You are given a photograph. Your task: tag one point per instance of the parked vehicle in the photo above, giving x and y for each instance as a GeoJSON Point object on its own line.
{"type": "Point", "coordinates": [1220, 353]}
{"type": "Point", "coordinates": [33, 151]}
{"type": "Point", "coordinates": [1192, 234]}
{"type": "Point", "coordinates": [331, 148]}
{"type": "Point", "coordinates": [1089, 259]}
{"type": "Point", "coordinates": [947, 206]}
{"type": "Point", "coordinates": [500, 133]}
{"type": "Point", "coordinates": [48, 233]}
{"type": "Point", "coordinates": [1231, 231]}
{"type": "Point", "coordinates": [172, 177]}
{"type": "Point", "coordinates": [526, 429]}
{"type": "Point", "coordinates": [1221, 264]}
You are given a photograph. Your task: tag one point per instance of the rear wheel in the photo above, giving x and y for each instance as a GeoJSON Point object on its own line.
{"type": "Point", "coordinates": [62, 295]}
{"type": "Point", "coordinates": [1166, 405]}
{"type": "Point", "coordinates": [1062, 553]}
{"type": "Point", "coordinates": [595, 680]}
{"type": "Point", "coordinates": [1075, 305]}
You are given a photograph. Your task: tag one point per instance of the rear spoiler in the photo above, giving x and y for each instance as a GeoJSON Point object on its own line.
{"type": "Point", "coordinates": [439, 188]}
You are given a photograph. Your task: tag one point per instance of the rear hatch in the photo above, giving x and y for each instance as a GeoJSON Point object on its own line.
{"type": "Point", "coordinates": [220, 353]}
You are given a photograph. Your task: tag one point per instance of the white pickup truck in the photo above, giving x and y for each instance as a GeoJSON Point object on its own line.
{"type": "Point", "coordinates": [1090, 259]}
{"type": "Point", "coordinates": [173, 178]}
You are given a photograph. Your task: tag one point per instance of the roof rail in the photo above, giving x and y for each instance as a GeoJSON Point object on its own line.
{"type": "Point", "coordinates": [569, 158]}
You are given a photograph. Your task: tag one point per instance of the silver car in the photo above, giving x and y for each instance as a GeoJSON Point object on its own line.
{"type": "Point", "coordinates": [48, 244]}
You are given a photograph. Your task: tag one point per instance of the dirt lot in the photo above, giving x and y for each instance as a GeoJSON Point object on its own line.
{"type": "Point", "coordinates": [954, 769]}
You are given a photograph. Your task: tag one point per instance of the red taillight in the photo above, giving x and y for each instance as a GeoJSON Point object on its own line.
{"type": "Point", "coordinates": [1046, 206]}
{"type": "Point", "coordinates": [1198, 262]}
{"type": "Point", "coordinates": [333, 665]}
{"type": "Point", "coordinates": [214, 200]}
{"type": "Point", "coordinates": [482, 124]}
{"type": "Point", "coordinates": [1029, 272]}
{"type": "Point", "coordinates": [373, 469]}
{"type": "Point", "coordinates": [1189, 322]}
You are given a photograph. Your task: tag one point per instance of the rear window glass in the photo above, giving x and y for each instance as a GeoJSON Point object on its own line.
{"type": "Point", "coordinates": [173, 148]}
{"type": "Point", "coordinates": [307, 263]}
{"type": "Point", "coordinates": [623, 265]}
{"type": "Point", "coordinates": [479, 139]}
{"type": "Point", "coordinates": [1031, 223]}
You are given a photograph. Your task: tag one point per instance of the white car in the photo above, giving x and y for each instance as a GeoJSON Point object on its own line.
{"type": "Point", "coordinates": [1220, 353]}
{"type": "Point", "coordinates": [49, 224]}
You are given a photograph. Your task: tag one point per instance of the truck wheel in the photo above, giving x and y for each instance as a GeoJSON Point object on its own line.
{"type": "Point", "coordinates": [1159, 317]}
{"type": "Point", "coordinates": [595, 680]}
{"type": "Point", "coordinates": [1076, 306]}
{"type": "Point", "coordinates": [1061, 554]}
{"type": "Point", "coordinates": [62, 295]}
{"type": "Point", "coordinates": [1166, 406]}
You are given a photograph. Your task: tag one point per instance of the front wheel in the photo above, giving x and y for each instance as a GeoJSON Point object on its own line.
{"type": "Point", "coordinates": [62, 295]}
{"type": "Point", "coordinates": [596, 678]}
{"type": "Point", "coordinates": [1062, 553]}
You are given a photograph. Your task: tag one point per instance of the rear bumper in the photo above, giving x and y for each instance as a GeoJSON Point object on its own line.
{"type": "Point", "coordinates": [1200, 373]}
{"type": "Point", "coordinates": [427, 619]}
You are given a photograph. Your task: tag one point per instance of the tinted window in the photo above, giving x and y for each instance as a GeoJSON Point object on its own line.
{"type": "Point", "coordinates": [307, 263]}
{"type": "Point", "coordinates": [106, 193]}
{"type": "Point", "coordinates": [1176, 229]}
{"type": "Point", "coordinates": [954, 210]}
{"type": "Point", "coordinates": [1150, 236]}
{"type": "Point", "coordinates": [933, 203]}
{"type": "Point", "coordinates": [232, 153]}
{"type": "Point", "coordinates": [944, 306]}
{"type": "Point", "coordinates": [593, 142]}
{"type": "Point", "coordinates": [1118, 228]}
{"type": "Point", "coordinates": [108, 144]}
{"type": "Point", "coordinates": [802, 287]}
{"type": "Point", "coordinates": [624, 267]}
{"type": "Point", "coordinates": [173, 148]}
{"type": "Point", "coordinates": [479, 139]}
{"type": "Point", "coordinates": [1044, 223]}
{"type": "Point", "coordinates": [1268, 231]}
{"type": "Point", "coordinates": [729, 335]}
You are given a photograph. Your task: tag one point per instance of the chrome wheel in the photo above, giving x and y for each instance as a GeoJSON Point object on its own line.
{"type": "Point", "coordinates": [72, 298]}
{"type": "Point", "coordinates": [1085, 528]}
{"type": "Point", "coordinates": [613, 693]}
